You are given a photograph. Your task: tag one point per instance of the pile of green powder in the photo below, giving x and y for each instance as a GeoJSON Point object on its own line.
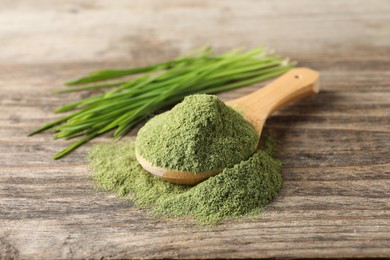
{"type": "Point", "coordinates": [199, 134]}
{"type": "Point", "coordinates": [241, 190]}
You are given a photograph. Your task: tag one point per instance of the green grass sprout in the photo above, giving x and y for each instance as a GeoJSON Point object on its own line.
{"type": "Point", "coordinates": [121, 104]}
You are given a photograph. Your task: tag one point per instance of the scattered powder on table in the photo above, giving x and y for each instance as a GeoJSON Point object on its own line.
{"type": "Point", "coordinates": [243, 189]}
{"type": "Point", "coordinates": [199, 134]}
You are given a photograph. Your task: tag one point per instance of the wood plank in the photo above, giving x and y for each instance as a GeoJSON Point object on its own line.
{"type": "Point", "coordinates": [350, 28]}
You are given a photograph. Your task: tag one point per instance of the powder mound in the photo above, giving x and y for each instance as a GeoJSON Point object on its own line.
{"type": "Point", "coordinates": [199, 134]}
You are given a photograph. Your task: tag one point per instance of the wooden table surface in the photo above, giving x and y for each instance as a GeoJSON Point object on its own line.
{"type": "Point", "coordinates": [335, 201]}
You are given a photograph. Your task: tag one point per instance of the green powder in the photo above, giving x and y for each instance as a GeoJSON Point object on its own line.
{"type": "Point", "coordinates": [199, 134]}
{"type": "Point", "coordinates": [243, 189]}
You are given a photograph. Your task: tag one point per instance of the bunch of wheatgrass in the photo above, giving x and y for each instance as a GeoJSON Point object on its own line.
{"type": "Point", "coordinates": [126, 103]}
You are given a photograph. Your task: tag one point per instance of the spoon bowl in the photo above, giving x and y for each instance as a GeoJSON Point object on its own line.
{"type": "Point", "coordinates": [256, 108]}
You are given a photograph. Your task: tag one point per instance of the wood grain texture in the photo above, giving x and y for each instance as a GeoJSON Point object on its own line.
{"type": "Point", "coordinates": [335, 200]}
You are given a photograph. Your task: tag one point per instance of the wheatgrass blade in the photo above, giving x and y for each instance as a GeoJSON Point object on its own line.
{"type": "Point", "coordinates": [92, 87]}
{"type": "Point", "coordinates": [123, 104]}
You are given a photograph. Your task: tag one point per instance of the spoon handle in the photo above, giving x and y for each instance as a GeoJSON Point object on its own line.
{"type": "Point", "coordinates": [291, 86]}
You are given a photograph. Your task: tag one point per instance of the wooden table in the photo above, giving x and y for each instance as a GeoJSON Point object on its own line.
{"type": "Point", "coordinates": [335, 201]}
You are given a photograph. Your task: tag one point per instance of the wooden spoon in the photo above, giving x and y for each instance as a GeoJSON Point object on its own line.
{"type": "Point", "coordinates": [256, 107]}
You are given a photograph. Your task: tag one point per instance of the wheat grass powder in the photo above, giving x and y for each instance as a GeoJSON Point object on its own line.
{"type": "Point", "coordinates": [199, 134]}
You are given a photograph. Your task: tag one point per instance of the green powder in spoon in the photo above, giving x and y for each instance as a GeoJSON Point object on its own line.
{"type": "Point", "coordinates": [243, 189]}
{"type": "Point", "coordinates": [199, 134]}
